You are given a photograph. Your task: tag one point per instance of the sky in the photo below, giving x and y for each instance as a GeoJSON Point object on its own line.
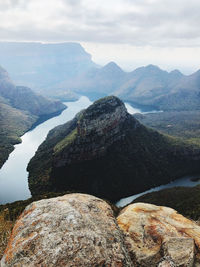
{"type": "Point", "coordinates": [130, 32]}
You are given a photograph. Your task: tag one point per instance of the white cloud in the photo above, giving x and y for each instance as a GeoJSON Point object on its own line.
{"type": "Point", "coordinates": [159, 24]}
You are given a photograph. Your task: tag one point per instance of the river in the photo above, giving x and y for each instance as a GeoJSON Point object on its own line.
{"type": "Point", "coordinates": [13, 174]}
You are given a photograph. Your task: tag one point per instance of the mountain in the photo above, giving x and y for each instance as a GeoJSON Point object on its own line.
{"type": "Point", "coordinates": [105, 151]}
{"type": "Point", "coordinates": [41, 66]}
{"type": "Point", "coordinates": [96, 82]}
{"type": "Point", "coordinates": [20, 108]}
{"type": "Point", "coordinates": [144, 85]}
{"type": "Point", "coordinates": [184, 96]}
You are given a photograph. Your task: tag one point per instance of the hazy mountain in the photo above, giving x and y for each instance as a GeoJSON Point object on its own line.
{"type": "Point", "coordinates": [106, 152]}
{"type": "Point", "coordinates": [96, 82]}
{"type": "Point", "coordinates": [146, 84]}
{"type": "Point", "coordinates": [20, 108]}
{"type": "Point", "coordinates": [184, 96]}
{"type": "Point", "coordinates": [39, 65]}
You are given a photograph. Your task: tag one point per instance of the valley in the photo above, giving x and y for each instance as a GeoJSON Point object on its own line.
{"type": "Point", "coordinates": [144, 150]}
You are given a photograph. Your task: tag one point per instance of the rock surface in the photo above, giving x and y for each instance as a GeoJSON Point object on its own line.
{"type": "Point", "coordinates": [157, 235]}
{"type": "Point", "coordinates": [73, 230]}
{"type": "Point", "coordinates": [106, 152]}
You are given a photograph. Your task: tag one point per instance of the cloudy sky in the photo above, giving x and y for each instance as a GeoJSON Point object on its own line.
{"type": "Point", "coordinates": [130, 32]}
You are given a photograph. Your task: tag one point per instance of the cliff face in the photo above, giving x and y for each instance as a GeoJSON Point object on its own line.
{"type": "Point", "coordinates": [106, 152]}
{"type": "Point", "coordinates": [81, 230]}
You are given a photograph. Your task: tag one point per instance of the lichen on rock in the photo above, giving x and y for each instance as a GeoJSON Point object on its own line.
{"type": "Point", "coordinates": [72, 230]}
{"type": "Point", "coordinates": [153, 232]}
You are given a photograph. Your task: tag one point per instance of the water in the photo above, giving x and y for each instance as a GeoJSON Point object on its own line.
{"type": "Point", "coordinates": [13, 174]}
{"type": "Point", "coordinates": [185, 181]}
{"type": "Point", "coordinates": [133, 110]}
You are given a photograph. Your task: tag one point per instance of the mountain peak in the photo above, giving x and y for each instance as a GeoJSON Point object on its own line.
{"type": "Point", "coordinates": [113, 67]}
{"type": "Point", "coordinates": [102, 117]}
{"type": "Point", "coordinates": [152, 67]}
{"type": "Point", "coordinates": [176, 72]}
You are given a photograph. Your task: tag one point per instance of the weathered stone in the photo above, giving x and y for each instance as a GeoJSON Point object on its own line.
{"type": "Point", "coordinates": [181, 250]}
{"type": "Point", "coordinates": [73, 230]}
{"type": "Point", "coordinates": [153, 232]}
{"type": "Point", "coordinates": [167, 262]}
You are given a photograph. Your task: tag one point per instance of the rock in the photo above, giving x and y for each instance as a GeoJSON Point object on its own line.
{"type": "Point", "coordinates": [153, 232]}
{"type": "Point", "coordinates": [166, 263]}
{"type": "Point", "coordinates": [180, 250]}
{"type": "Point", "coordinates": [72, 230]}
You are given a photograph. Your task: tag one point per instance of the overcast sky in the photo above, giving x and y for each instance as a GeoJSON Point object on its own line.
{"type": "Point", "coordinates": [130, 32]}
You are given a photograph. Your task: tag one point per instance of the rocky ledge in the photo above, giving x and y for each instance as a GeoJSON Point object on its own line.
{"type": "Point", "coordinates": [106, 152]}
{"type": "Point", "coordinates": [81, 230]}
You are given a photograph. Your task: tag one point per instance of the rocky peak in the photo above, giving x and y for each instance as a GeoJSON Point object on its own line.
{"type": "Point", "coordinates": [103, 117]}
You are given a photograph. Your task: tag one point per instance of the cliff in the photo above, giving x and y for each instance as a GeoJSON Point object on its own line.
{"type": "Point", "coordinates": [81, 230]}
{"type": "Point", "coordinates": [106, 152]}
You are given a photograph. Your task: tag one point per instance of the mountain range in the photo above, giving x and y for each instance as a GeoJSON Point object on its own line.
{"type": "Point", "coordinates": [65, 71]}
{"type": "Point", "coordinates": [148, 86]}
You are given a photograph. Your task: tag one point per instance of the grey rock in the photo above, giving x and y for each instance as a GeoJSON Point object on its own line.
{"type": "Point", "coordinates": [72, 230]}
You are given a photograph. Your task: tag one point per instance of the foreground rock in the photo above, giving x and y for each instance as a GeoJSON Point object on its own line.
{"type": "Point", "coordinates": [159, 236]}
{"type": "Point", "coordinates": [106, 152]}
{"type": "Point", "coordinates": [73, 230]}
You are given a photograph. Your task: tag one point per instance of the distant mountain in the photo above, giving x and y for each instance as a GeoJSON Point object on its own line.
{"type": "Point", "coordinates": [185, 95]}
{"type": "Point", "coordinates": [96, 82]}
{"type": "Point", "coordinates": [146, 85]}
{"type": "Point", "coordinates": [65, 71]}
{"type": "Point", "coordinates": [106, 152]}
{"type": "Point", "coordinates": [42, 66]}
{"type": "Point", "coordinates": [20, 108]}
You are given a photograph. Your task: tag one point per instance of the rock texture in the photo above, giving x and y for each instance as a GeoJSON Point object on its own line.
{"type": "Point", "coordinates": [73, 230]}
{"type": "Point", "coordinates": [159, 236]}
{"type": "Point", "coordinates": [104, 151]}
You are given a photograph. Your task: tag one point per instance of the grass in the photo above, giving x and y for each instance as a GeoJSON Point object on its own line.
{"type": "Point", "coordinates": [66, 141]}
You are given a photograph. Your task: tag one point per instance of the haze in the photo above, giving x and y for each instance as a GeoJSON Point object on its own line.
{"type": "Point", "coordinates": [131, 33]}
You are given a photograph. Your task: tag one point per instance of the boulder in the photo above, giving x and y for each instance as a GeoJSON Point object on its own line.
{"type": "Point", "coordinates": [72, 230]}
{"type": "Point", "coordinates": [159, 236]}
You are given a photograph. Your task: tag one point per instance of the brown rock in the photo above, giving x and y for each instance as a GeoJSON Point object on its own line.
{"type": "Point", "coordinates": [166, 263]}
{"type": "Point", "coordinates": [181, 250]}
{"type": "Point", "coordinates": [73, 230]}
{"type": "Point", "coordinates": [153, 232]}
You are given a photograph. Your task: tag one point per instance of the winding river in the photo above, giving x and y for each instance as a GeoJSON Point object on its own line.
{"type": "Point", "coordinates": [13, 174]}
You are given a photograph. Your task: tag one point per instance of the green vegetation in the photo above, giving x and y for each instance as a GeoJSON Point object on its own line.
{"type": "Point", "coordinates": [128, 159]}
{"type": "Point", "coordinates": [20, 108]}
{"type": "Point", "coordinates": [14, 123]}
{"type": "Point", "coordinates": [182, 124]}
{"type": "Point", "coordinates": [66, 141]}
